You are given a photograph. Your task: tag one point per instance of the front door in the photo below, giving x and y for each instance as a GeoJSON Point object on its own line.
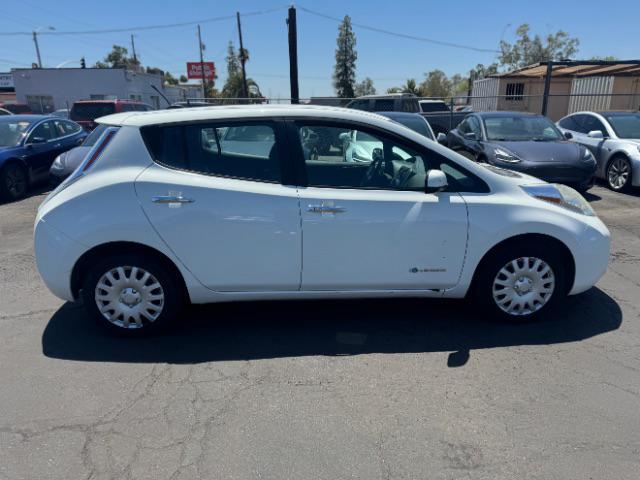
{"type": "Point", "coordinates": [216, 199]}
{"type": "Point", "coordinates": [370, 226]}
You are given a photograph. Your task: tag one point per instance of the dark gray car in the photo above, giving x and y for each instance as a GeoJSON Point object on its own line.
{"type": "Point", "coordinates": [66, 163]}
{"type": "Point", "coordinates": [525, 142]}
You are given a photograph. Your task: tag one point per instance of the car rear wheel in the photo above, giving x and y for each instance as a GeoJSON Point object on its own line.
{"type": "Point", "coordinates": [619, 174]}
{"type": "Point", "coordinates": [132, 295]}
{"type": "Point", "coordinates": [520, 283]}
{"type": "Point", "coordinates": [14, 181]}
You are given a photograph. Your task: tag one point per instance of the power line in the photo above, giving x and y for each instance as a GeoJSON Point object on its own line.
{"type": "Point", "coordinates": [148, 27]}
{"type": "Point", "coordinates": [401, 35]}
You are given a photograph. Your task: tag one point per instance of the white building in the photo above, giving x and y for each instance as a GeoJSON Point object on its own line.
{"type": "Point", "coordinates": [49, 89]}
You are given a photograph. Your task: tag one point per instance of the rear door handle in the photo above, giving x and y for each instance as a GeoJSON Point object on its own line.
{"type": "Point", "coordinates": [325, 209]}
{"type": "Point", "coordinates": [171, 199]}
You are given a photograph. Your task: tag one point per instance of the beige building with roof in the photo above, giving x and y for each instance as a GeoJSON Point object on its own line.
{"type": "Point", "coordinates": [573, 86]}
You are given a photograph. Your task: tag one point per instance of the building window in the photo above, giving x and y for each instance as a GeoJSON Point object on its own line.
{"type": "Point", "coordinates": [40, 103]}
{"type": "Point", "coordinates": [135, 97]}
{"type": "Point", "coordinates": [515, 91]}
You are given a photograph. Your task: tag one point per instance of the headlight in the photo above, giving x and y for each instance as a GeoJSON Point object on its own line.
{"type": "Point", "coordinates": [506, 156]}
{"type": "Point", "coordinates": [588, 156]}
{"type": "Point", "coordinates": [562, 196]}
{"type": "Point", "coordinates": [58, 163]}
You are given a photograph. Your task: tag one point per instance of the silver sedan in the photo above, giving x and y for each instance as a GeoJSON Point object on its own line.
{"type": "Point", "coordinates": [614, 140]}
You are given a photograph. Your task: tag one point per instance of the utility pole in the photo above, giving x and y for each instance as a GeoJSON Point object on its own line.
{"type": "Point", "coordinates": [293, 55]}
{"type": "Point", "coordinates": [35, 40]}
{"type": "Point", "coordinates": [204, 95]}
{"type": "Point", "coordinates": [245, 90]}
{"type": "Point", "coordinates": [547, 86]}
{"type": "Point", "coordinates": [133, 48]}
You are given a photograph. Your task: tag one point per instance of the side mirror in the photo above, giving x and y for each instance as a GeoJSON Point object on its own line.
{"type": "Point", "coordinates": [37, 140]}
{"type": "Point", "coordinates": [436, 181]}
{"type": "Point", "coordinates": [568, 135]}
{"type": "Point", "coordinates": [595, 134]}
{"type": "Point", "coordinates": [442, 139]}
{"type": "Point", "coordinates": [470, 136]}
{"type": "Point", "coordinates": [344, 137]}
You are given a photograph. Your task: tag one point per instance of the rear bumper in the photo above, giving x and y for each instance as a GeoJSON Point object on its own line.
{"type": "Point", "coordinates": [55, 257]}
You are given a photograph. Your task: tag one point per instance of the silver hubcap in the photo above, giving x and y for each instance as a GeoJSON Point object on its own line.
{"type": "Point", "coordinates": [618, 173]}
{"type": "Point", "coordinates": [523, 286]}
{"type": "Point", "coordinates": [129, 296]}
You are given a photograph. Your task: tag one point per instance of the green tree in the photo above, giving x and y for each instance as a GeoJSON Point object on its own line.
{"type": "Point", "coordinates": [118, 58]}
{"type": "Point", "coordinates": [170, 79]}
{"type": "Point", "coordinates": [411, 86]}
{"type": "Point", "coordinates": [528, 50]}
{"type": "Point", "coordinates": [183, 79]}
{"type": "Point", "coordinates": [365, 87]}
{"type": "Point", "coordinates": [344, 71]}
{"type": "Point", "coordinates": [233, 87]}
{"type": "Point", "coordinates": [436, 84]}
{"type": "Point", "coordinates": [394, 90]}
{"type": "Point", "coordinates": [483, 71]}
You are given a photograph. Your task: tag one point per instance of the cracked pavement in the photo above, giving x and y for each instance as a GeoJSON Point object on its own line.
{"type": "Point", "coordinates": [351, 389]}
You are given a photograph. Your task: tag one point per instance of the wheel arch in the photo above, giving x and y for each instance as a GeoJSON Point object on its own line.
{"type": "Point", "coordinates": [531, 238]}
{"type": "Point", "coordinates": [104, 250]}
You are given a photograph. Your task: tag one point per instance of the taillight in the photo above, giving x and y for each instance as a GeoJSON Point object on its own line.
{"type": "Point", "coordinates": [98, 151]}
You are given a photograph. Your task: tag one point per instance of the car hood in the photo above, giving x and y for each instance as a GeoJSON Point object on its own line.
{"type": "Point", "coordinates": [542, 152]}
{"type": "Point", "coordinates": [72, 158]}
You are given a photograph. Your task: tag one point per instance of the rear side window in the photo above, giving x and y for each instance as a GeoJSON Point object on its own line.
{"type": "Point", "coordinates": [569, 123]}
{"type": "Point", "coordinates": [246, 151]}
{"type": "Point", "coordinates": [383, 106]}
{"type": "Point", "coordinates": [91, 111]}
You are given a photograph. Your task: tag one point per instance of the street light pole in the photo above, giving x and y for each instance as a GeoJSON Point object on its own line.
{"type": "Point", "coordinates": [35, 40]}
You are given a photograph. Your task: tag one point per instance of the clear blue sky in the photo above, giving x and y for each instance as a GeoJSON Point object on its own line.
{"type": "Point", "coordinates": [609, 28]}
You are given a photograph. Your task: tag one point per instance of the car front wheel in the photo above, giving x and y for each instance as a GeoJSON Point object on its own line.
{"type": "Point", "coordinates": [131, 295]}
{"type": "Point", "coordinates": [14, 181]}
{"type": "Point", "coordinates": [521, 283]}
{"type": "Point", "coordinates": [619, 174]}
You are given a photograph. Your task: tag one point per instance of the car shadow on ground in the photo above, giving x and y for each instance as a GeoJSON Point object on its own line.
{"type": "Point", "coordinates": [259, 330]}
{"type": "Point", "coordinates": [34, 191]}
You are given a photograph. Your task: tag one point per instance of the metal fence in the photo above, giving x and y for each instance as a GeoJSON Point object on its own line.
{"type": "Point", "coordinates": [450, 110]}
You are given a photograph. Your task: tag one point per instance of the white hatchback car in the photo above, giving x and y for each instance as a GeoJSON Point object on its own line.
{"type": "Point", "coordinates": [226, 203]}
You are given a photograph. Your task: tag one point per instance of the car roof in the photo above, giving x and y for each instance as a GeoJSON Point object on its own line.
{"type": "Point", "coordinates": [505, 114]}
{"type": "Point", "coordinates": [108, 101]}
{"type": "Point", "coordinates": [179, 115]}
{"type": "Point", "coordinates": [26, 118]}
{"type": "Point", "coordinates": [400, 114]}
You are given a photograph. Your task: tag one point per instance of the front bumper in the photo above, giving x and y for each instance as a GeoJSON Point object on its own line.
{"type": "Point", "coordinates": [591, 256]}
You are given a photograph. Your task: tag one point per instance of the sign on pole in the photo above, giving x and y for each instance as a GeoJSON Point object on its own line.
{"type": "Point", "coordinates": [194, 70]}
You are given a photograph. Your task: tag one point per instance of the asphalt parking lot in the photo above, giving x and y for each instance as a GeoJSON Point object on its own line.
{"type": "Point", "coordinates": [351, 389]}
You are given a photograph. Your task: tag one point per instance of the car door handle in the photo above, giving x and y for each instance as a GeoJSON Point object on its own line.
{"type": "Point", "coordinates": [171, 199]}
{"type": "Point", "coordinates": [325, 209]}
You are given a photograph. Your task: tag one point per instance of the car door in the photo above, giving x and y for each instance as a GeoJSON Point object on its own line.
{"type": "Point", "coordinates": [591, 123]}
{"type": "Point", "coordinates": [215, 196]}
{"type": "Point", "coordinates": [40, 148]}
{"type": "Point", "coordinates": [467, 137]}
{"type": "Point", "coordinates": [376, 232]}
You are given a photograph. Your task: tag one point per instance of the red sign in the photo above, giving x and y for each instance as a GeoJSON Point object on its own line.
{"type": "Point", "coordinates": [194, 70]}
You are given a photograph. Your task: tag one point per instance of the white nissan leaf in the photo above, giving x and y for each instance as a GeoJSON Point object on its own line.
{"type": "Point", "coordinates": [227, 203]}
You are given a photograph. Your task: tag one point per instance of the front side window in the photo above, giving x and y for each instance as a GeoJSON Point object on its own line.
{"type": "Point", "coordinates": [591, 123]}
{"type": "Point", "coordinates": [464, 127]}
{"type": "Point", "coordinates": [514, 128]}
{"type": "Point", "coordinates": [42, 131]}
{"type": "Point", "coordinates": [569, 123]}
{"type": "Point", "coordinates": [360, 159]}
{"type": "Point", "coordinates": [474, 126]}
{"type": "Point", "coordinates": [626, 125]}
{"type": "Point", "coordinates": [245, 151]}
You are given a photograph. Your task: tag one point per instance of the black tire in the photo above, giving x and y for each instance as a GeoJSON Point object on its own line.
{"type": "Point", "coordinates": [483, 286]}
{"type": "Point", "coordinates": [14, 181]}
{"type": "Point", "coordinates": [170, 288]}
{"type": "Point", "coordinates": [614, 170]}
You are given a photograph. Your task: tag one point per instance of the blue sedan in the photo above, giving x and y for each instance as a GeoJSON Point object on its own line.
{"type": "Point", "coordinates": [28, 146]}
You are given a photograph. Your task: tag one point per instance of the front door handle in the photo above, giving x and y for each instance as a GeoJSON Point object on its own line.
{"type": "Point", "coordinates": [325, 209]}
{"type": "Point", "coordinates": [171, 199]}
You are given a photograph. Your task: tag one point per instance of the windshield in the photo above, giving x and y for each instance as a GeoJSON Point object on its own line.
{"type": "Point", "coordinates": [417, 124]}
{"type": "Point", "coordinates": [93, 137]}
{"type": "Point", "coordinates": [625, 125]}
{"type": "Point", "coordinates": [91, 111]}
{"type": "Point", "coordinates": [12, 131]}
{"type": "Point", "coordinates": [428, 107]}
{"type": "Point", "coordinates": [521, 128]}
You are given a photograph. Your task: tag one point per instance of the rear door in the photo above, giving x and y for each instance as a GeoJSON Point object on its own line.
{"type": "Point", "coordinates": [215, 196]}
